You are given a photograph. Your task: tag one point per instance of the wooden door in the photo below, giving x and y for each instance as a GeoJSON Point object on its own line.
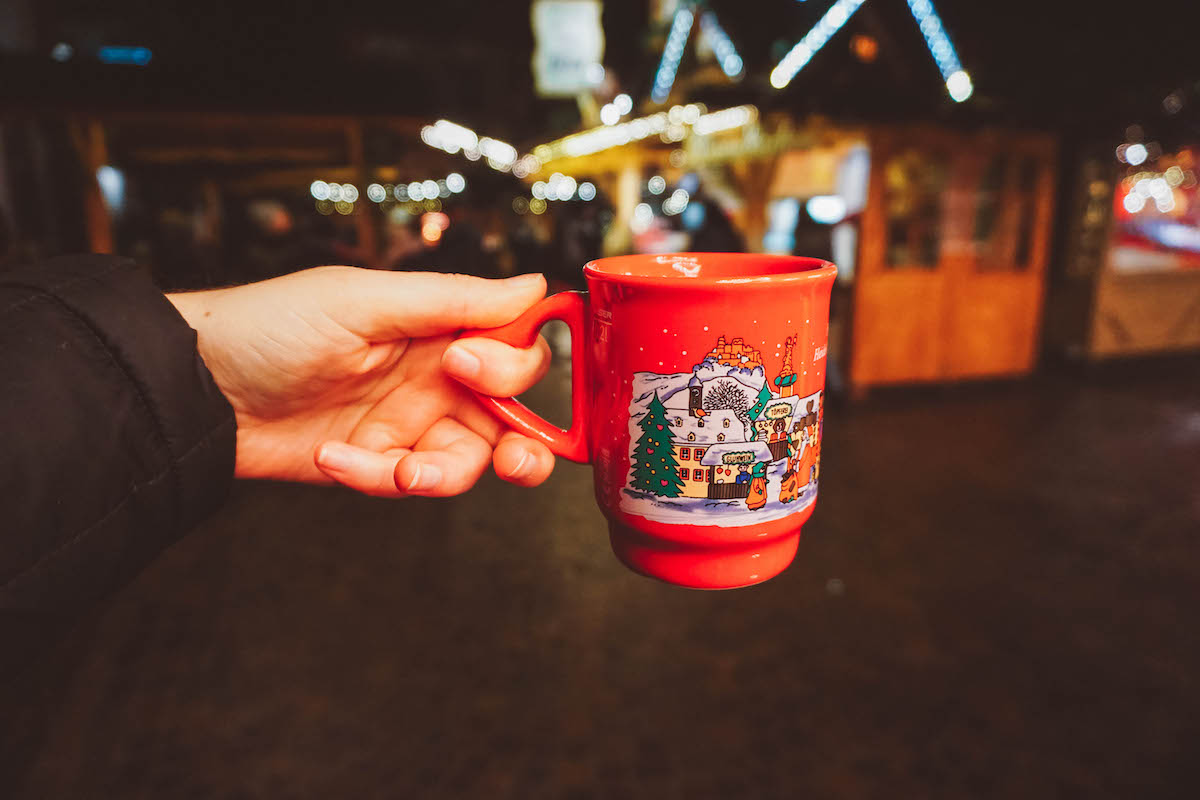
{"type": "Point", "coordinates": [900, 290]}
{"type": "Point", "coordinates": [952, 260]}
{"type": "Point", "coordinates": [996, 289]}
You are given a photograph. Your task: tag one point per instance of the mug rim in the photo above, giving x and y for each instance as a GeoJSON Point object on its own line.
{"type": "Point", "coordinates": [805, 268]}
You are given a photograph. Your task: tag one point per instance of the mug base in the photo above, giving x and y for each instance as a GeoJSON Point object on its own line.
{"type": "Point", "coordinates": [730, 567]}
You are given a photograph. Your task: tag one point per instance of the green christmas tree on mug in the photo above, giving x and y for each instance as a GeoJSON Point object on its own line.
{"type": "Point", "coordinates": [655, 469]}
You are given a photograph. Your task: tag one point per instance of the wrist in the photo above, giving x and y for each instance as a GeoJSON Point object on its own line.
{"type": "Point", "coordinates": [192, 306]}
{"type": "Point", "coordinates": [197, 310]}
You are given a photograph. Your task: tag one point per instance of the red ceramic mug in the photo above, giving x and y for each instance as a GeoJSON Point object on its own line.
{"type": "Point", "coordinates": [698, 392]}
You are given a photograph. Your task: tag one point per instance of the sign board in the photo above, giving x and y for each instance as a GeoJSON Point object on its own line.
{"type": "Point", "coordinates": [568, 46]}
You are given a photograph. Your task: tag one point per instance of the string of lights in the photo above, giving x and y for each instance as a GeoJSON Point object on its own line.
{"type": "Point", "coordinates": [814, 40]}
{"type": "Point", "coordinates": [722, 45]}
{"type": "Point", "coordinates": [664, 79]}
{"type": "Point", "coordinates": [454, 138]}
{"type": "Point", "coordinates": [958, 82]}
{"type": "Point", "coordinates": [673, 125]}
{"type": "Point", "coordinates": [424, 195]}
{"type": "Point", "coordinates": [562, 187]}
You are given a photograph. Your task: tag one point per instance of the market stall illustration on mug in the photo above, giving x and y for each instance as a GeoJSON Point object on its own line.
{"type": "Point", "coordinates": [723, 438]}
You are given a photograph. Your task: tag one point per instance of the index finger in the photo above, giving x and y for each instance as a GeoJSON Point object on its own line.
{"type": "Point", "coordinates": [379, 305]}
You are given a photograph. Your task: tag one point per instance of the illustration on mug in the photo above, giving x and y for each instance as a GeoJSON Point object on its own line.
{"type": "Point", "coordinates": [707, 446]}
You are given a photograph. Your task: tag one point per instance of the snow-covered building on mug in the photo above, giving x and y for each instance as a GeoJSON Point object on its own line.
{"type": "Point", "coordinates": [693, 430]}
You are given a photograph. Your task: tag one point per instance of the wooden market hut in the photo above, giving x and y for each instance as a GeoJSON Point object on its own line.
{"type": "Point", "coordinates": [1130, 279]}
{"type": "Point", "coordinates": [949, 244]}
{"type": "Point", "coordinates": [723, 461]}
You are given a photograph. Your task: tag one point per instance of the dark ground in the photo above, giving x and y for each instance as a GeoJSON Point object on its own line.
{"type": "Point", "coordinates": [996, 597]}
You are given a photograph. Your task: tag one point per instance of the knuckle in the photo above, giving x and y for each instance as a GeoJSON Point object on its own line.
{"type": "Point", "coordinates": [462, 289]}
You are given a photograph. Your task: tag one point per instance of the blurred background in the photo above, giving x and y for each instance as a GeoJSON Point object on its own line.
{"type": "Point", "coordinates": [993, 596]}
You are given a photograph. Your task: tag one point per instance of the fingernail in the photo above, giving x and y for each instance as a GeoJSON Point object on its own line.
{"type": "Point", "coordinates": [528, 279]}
{"type": "Point", "coordinates": [461, 362]}
{"type": "Point", "coordinates": [426, 477]}
{"type": "Point", "coordinates": [523, 467]}
{"type": "Point", "coordinates": [335, 456]}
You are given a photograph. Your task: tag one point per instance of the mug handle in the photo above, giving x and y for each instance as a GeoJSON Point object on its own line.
{"type": "Point", "coordinates": [522, 332]}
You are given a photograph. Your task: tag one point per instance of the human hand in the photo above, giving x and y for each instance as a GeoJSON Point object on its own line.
{"type": "Point", "coordinates": [338, 374]}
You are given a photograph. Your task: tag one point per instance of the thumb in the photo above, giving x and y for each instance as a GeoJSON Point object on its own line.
{"type": "Point", "coordinates": [390, 305]}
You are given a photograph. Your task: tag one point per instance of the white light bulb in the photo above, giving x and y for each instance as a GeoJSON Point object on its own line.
{"type": "Point", "coordinates": [959, 86]}
{"type": "Point", "coordinates": [623, 104]}
{"type": "Point", "coordinates": [1135, 154]}
{"type": "Point", "coordinates": [112, 185]}
{"type": "Point", "coordinates": [826, 209]}
{"type": "Point", "coordinates": [643, 216]}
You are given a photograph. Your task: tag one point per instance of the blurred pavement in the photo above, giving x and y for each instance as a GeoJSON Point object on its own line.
{"type": "Point", "coordinates": [994, 598]}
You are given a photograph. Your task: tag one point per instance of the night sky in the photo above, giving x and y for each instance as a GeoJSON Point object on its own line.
{"type": "Point", "coordinates": [1033, 63]}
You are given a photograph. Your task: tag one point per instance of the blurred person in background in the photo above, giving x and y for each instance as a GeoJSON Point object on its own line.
{"type": "Point", "coordinates": [402, 240]}
{"type": "Point", "coordinates": [716, 233]}
{"type": "Point", "coordinates": [813, 239]}
{"type": "Point", "coordinates": [458, 248]}
{"type": "Point", "coordinates": [579, 238]}
{"type": "Point", "coordinates": [530, 252]}
{"type": "Point", "coordinates": [128, 412]}
{"type": "Point", "coordinates": [282, 241]}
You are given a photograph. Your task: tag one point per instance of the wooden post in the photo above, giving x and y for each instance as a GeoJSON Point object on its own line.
{"type": "Point", "coordinates": [93, 153]}
{"type": "Point", "coordinates": [367, 240]}
{"type": "Point", "coordinates": [756, 177]}
{"type": "Point", "coordinates": [628, 193]}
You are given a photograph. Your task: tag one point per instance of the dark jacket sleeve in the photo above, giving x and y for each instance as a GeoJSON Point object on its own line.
{"type": "Point", "coordinates": [114, 439]}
